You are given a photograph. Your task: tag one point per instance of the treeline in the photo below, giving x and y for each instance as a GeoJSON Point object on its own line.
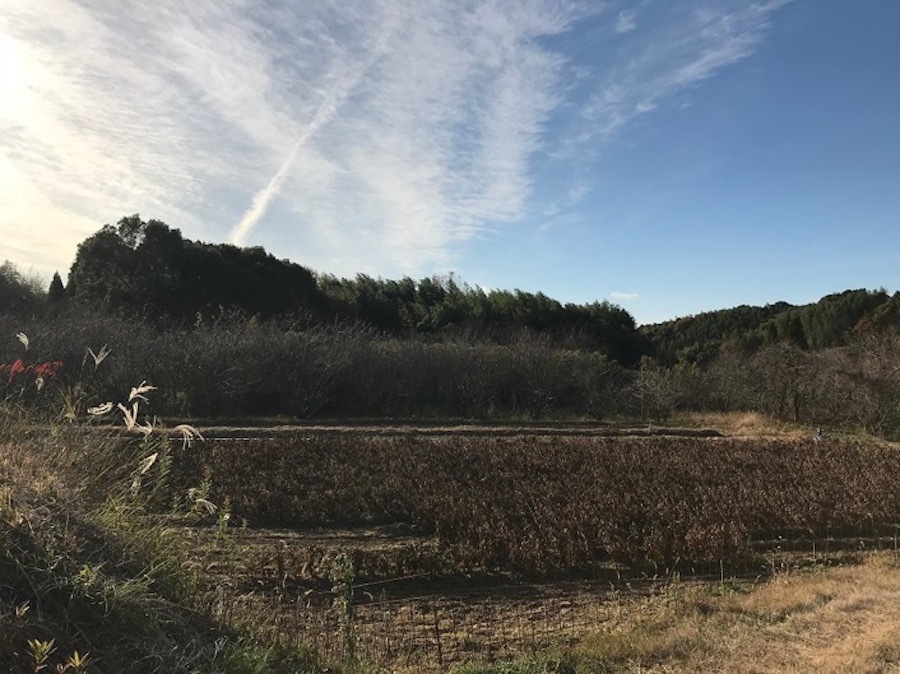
{"type": "Point", "coordinates": [150, 271]}
{"type": "Point", "coordinates": [237, 367]}
{"type": "Point", "coordinates": [147, 270]}
{"type": "Point", "coordinates": [228, 331]}
{"type": "Point", "coordinates": [856, 386]}
{"type": "Point", "coordinates": [834, 320]}
{"type": "Point", "coordinates": [20, 294]}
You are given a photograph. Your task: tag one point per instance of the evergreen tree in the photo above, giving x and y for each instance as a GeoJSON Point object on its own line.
{"type": "Point", "coordinates": [56, 293]}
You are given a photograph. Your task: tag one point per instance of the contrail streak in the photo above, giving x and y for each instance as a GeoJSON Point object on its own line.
{"type": "Point", "coordinates": [261, 201]}
{"type": "Point", "coordinates": [323, 115]}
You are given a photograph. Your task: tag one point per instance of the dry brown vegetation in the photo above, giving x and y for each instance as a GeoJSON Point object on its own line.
{"type": "Point", "coordinates": [743, 424]}
{"type": "Point", "coordinates": [532, 503]}
{"type": "Point", "coordinates": [420, 510]}
{"type": "Point", "coordinates": [463, 545]}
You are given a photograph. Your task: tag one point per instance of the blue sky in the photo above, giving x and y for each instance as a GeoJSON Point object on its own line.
{"type": "Point", "coordinates": [670, 157]}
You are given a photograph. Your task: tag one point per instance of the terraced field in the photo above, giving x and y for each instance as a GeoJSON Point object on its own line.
{"type": "Point", "coordinates": [485, 543]}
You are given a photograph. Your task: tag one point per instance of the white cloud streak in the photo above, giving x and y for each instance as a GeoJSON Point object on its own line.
{"type": "Point", "coordinates": [261, 201]}
{"type": "Point", "coordinates": [323, 116]}
{"type": "Point", "coordinates": [367, 135]}
{"type": "Point", "coordinates": [623, 297]}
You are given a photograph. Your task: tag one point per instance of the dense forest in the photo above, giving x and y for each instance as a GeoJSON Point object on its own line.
{"type": "Point", "coordinates": [149, 271]}
{"type": "Point", "coordinates": [229, 331]}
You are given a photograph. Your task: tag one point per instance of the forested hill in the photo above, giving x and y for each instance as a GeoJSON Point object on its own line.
{"type": "Point", "coordinates": [832, 321]}
{"type": "Point", "coordinates": [149, 270]}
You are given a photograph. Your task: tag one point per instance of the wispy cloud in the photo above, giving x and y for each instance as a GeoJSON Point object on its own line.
{"type": "Point", "coordinates": [438, 144]}
{"type": "Point", "coordinates": [654, 64]}
{"type": "Point", "coordinates": [368, 135]}
{"type": "Point", "coordinates": [623, 297]}
{"type": "Point", "coordinates": [670, 57]}
{"type": "Point", "coordinates": [323, 115]}
{"type": "Point", "coordinates": [626, 21]}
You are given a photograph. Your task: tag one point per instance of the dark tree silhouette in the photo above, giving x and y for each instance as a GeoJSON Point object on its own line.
{"type": "Point", "coordinates": [56, 292]}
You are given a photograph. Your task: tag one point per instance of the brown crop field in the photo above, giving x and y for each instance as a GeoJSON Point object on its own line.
{"type": "Point", "coordinates": [488, 542]}
{"type": "Point", "coordinates": [531, 502]}
{"type": "Point", "coordinates": [423, 548]}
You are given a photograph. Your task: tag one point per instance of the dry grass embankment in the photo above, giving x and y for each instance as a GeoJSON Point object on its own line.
{"type": "Point", "coordinates": [744, 425]}
{"type": "Point", "coordinates": [89, 584]}
{"type": "Point", "coordinates": [830, 621]}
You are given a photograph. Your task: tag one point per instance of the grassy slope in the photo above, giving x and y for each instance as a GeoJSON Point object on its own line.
{"type": "Point", "coordinates": [91, 576]}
